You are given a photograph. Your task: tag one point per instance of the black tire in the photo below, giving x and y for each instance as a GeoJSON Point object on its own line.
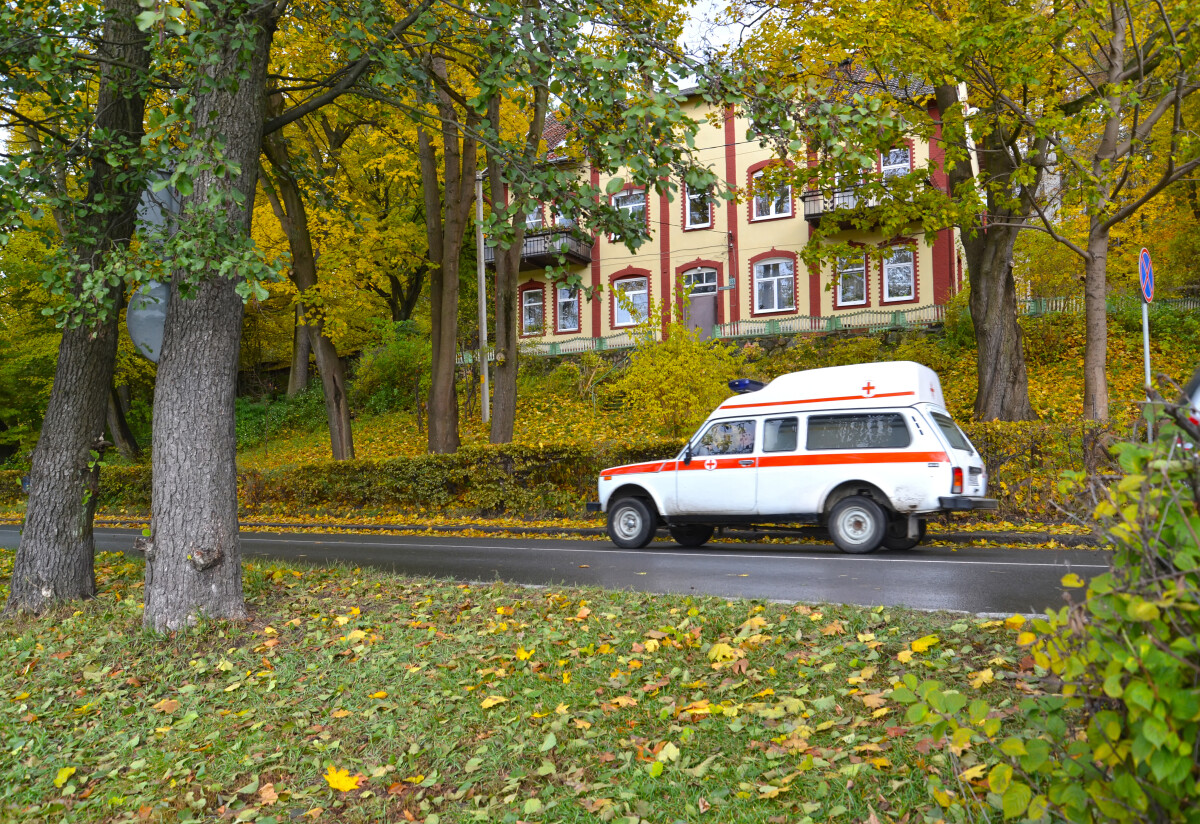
{"type": "Point", "coordinates": [691, 535]}
{"type": "Point", "coordinates": [857, 525]}
{"type": "Point", "coordinates": [897, 534]}
{"type": "Point", "coordinates": [631, 523]}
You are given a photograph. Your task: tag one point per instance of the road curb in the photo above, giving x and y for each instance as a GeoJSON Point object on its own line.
{"type": "Point", "coordinates": [1007, 538]}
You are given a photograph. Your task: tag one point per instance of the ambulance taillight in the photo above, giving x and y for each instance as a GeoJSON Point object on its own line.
{"type": "Point", "coordinates": [956, 481]}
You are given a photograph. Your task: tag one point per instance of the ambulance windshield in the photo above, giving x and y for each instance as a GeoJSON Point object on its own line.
{"type": "Point", "coordinates": [953, 434]}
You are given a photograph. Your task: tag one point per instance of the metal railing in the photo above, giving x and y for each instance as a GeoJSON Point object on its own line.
{"type": "Point", "coordinates": [868, 320]}
{"type": "Point", "coordinates": [549, 244]}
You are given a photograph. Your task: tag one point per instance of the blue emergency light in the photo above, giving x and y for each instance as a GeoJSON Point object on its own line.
{"type": "Point", "coordinates": [744, 385]}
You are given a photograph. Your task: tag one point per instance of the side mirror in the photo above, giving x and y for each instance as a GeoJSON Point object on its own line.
{"type": "Point", "coordinates": [687, 454]}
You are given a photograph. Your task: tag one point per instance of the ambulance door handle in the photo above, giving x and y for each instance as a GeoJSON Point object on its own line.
{"type": "Point", "coordinates": [746, 462]}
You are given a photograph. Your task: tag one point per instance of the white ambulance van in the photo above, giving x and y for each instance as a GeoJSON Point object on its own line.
{"type": "Point", "coordinates": [867, 451]}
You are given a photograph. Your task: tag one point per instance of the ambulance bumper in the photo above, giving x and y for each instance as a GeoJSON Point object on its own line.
{"type": "Point", "coordinates": [593, 506]}
{"type": "Point", "coordinates": [964, 503]}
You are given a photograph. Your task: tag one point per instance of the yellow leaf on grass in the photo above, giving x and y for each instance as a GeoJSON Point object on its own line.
{"type": "Point", "coordinates": [833, 628]}
{"type": "Point", "coordinates": [904, 656]}
{"type": "Point", "coordinates": [1025, 639]}
{"type": "Point", "coordinates": [167, 705]}
{"type": "Point", "coordinates": [342, 780]}
{"type": "Point", "coordinates": [491, 701]}
{"type": "Point", "coordinates": [380, 694]}
{"type": "Point", "coordinates": [63, 775]}
{"type": "Point", "coordinates": [1014, 621]}
{"type": "Point", "coordinates": [721, 652]}
{"type": "Point", "coordinates": [340, 713]}
{"type": "Point", "coordinates": [624, 701]}
{"type": "Point", "coordinates": [978, 679]}
{"type": "Point", "coordinates": [873, 700]}
{"type": "Point", "coordinates": [974, 773]}
{"type": "Point", "coordinates": [923, 644]}
{"type": "Point", "coordinates": [524, 654]}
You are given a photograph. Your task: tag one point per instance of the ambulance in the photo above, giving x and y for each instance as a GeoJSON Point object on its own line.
{"type": "Point", "coordinates": [867, 451]}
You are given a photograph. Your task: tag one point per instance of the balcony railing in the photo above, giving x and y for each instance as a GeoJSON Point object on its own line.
{"type": "Point", "coordinates": [817, 204]}
{"type": "Point", "coordinates": [542, 249]}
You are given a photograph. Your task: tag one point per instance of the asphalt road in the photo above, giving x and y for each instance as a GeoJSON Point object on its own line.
{"type": "Point", "coordinates": [969, 579]}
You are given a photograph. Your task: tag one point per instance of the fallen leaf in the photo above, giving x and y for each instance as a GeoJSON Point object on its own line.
{"type": "Point", "coordinates": [979, 679]}
{"type": "Point", "coordinates": [923, 644]}
{"type": "Point", "coordinates": [63, 774]}
{"type": "Point", "coordinates": [267, 794]}
{"type": "Point", "coordinates": [167, 705]}
{"type": "Point", "coordinates": [342, 780]}
{"type": "Point", "coordinates": [491, 701]}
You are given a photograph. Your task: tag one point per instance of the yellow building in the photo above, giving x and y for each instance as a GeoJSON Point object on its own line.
{"type": "Point", "coordinates": [732, 268]}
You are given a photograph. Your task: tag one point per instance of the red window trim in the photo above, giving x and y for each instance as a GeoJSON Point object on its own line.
{"type": "Point", "coordinates": [837, 304]}
{"type": "Point", "coordinates": [916, 250]}
{"type": "Point", "coordinates": [700, 263]}
{"type": "Point", "coordinates": [531, 286]}
{"type": "Point", "coordinates": [558, 330]}
{"type": "Point", "coordinates": [774, 254]}
{"type": "Point", "coordinates": [754, 169]}
{"type": "Point", "coordinates": [683, 217]}
{"type": "Point", "coordinates": [628, 273]}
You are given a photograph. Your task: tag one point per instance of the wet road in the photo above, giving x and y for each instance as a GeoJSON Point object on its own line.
{"type": "Point", "coordinates": [970, 579]}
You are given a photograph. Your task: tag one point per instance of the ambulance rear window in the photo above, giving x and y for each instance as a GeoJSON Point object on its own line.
{"type": "Point", "coordinates": [880, 430]}
{"type": "Point", "coordinates": [953, 434]}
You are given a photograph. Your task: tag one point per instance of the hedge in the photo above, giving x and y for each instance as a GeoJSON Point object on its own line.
{"type": "Point", "coordinates": [1024, 461]}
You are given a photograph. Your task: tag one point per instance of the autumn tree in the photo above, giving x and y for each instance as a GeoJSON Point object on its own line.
{"type": "Point", "coordinates": [77, 156]}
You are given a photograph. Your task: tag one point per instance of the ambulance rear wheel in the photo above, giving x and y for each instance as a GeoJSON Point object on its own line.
{"type": "Point", "coordinates": [630, 523]}
{"type": "Point", "coordinates": [897, 534]}
{"type": "Point", "coordinates": [857, 525]}
{"type": "Point", "coordinates": [692, 535]}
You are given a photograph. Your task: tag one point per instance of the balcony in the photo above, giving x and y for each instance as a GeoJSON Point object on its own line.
{"type": "Point", "coordinates": [817, 204]}
{"type": "Point", "coordinates": [543, 248]}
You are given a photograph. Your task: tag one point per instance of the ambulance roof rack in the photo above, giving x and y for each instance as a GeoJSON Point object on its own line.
{"type": "Point", "coordinates": [744, 385]}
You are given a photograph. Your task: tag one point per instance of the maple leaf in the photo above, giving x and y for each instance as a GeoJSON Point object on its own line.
{"type": "Point", "coordinates": [167, 705]}
{"type": "Point", "coordinates": [873, 700]}
{"type": "Point", "coordinates": [904, 656]}
{"type": "Point", "coordinates": [721, 652]}
{"type": "Point", "coordinates": [923, 644]}
{"type": "Point", "coordinates": [978, 679]}
{"type": "Point", "coordinates": [342, 780]}
{"type": "Point", "coordinates": [833, 628]}
{"type": "Point", "coordinates": [267, 794]}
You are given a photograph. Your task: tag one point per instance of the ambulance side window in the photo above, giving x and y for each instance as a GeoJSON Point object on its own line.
{"type": "Point", "coordinates": [726, 438]}
{"type": "Point", "coordinates": [879, 430]}
{"type": "Point", "coordinates": [779, 435]}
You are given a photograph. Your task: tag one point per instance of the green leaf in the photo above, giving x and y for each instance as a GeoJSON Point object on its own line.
{"type": "Point", "coordinates": [1015, 800]}
{"type": "Point", "coordinates": [550, 743]}
{"type": "Point", "coordinates": [614, 185]}
{"type": "Point", "coordinates": [999, 778]}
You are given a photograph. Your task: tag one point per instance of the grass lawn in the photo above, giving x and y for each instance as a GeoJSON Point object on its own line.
{"type": "Point", "coordinates": [358, 696]}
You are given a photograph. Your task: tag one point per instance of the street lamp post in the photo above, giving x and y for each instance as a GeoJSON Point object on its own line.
{"type": "Point", "coordinates": [483, 364]}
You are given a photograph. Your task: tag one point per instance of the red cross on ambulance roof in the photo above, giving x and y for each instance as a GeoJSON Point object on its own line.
{"type": "Point", "coordinates": [868, 389]}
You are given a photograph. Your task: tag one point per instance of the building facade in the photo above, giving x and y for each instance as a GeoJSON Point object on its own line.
{"type": "Point", "coordinates": [733, 268]}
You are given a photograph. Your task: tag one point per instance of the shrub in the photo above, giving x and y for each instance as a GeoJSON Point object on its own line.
{"type": "Point", "coordinates": [259, 420]}
{"type": "Point", "coordinates": [395, 375]}
{"type": "Point", "coordinates": [10, 486]}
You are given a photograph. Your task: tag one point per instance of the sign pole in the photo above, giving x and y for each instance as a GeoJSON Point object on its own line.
{"type": "Point", "coordinates": [1146, 280]}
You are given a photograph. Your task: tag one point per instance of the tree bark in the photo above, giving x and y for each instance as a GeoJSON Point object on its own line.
{"type": "Point", "coordinates": [301, 349]}
{"type": "Point", "coordinates": [54, 560]}
{"type": "Point", "coordinates": [1003, 390]}
{"type": "Point", "coordinates": [118, 428]}
{"type": "Point", "coordinates": [446, 221]}
{"type": "Point", "coordinates": [294, 220]}
{"type": "Point", "coordinates": [193, 560]}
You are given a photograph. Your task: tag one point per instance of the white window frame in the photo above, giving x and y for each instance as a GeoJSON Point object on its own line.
{"type": "Point", "coordinates": [707, 277]}
{"type": "Point", "coordinates": [535, 219]}
{"type": "Point", "coordinates": [704, 196]}
{"type": "Point", "coordinates": [854, 265]}
{"type": "Point", "coordinates": [624, 201]}
{"type": "Point", "coordinates": [895, 169]}
{"type": "Point", "coordinates": [761, 276]}
{"type": "Point", "coordinates": [526, 304]}
{"type": "Point", "coordinates": [889, 264]}
{"type": "Point", "coordinates": [621, 317]}
{"type": "Point", "coordinates": [572, 299]}
{"type": "Point", "coordinates": [770, 199]}
{"type": "Point", "coordinates": [562, 220]}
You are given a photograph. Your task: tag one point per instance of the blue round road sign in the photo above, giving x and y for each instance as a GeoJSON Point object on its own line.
{"type": "Point", "coordinates": [1146, 276]}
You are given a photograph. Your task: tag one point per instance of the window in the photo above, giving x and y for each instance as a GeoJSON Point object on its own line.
{"type": "Point", "coordinates": [631, 301]}
{"type": "Point", "coordinates": [953, 434]}
{"type": "Point", "coordinates": [633, 203]}
{"type": "Point", "coordinates": [568, 309]}
{"type": "Point", "coordinates": [563, 218]}
{"type": "Point", "coordinates": [533, 312]}
{"type": "Point", "coordinates": [726, 438]}
{"type": "Point", "coordinates": [777, 203]}
{"type": "Point", "coordinates": [851, 282]}
{"type": "Point", "coordinates": [534, 219]}
{"type": "Point", "coordinates": [898, 280]}
{"type": "Point", "coordinates": [774, 286]}
{"type": "Point", "coordinates": [895, 162]}
{"type": "Point", "coordinates": [779, 435]}
{"type": "Point", "coordinates": [880, 430]}
{"type": "Point", "coordinates": [700, 282]}
{"type": "Point", "coordinates": [699, 211]}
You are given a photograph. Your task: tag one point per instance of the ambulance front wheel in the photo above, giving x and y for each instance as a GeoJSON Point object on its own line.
{"type": "Point", "coordinates": [631, 524]}
{"type": "Point", "coordinates": [857, 525]}
{"type": "Point", "coordinates": [692, 535]}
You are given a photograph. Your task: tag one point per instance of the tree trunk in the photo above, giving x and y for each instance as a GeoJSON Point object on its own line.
{"type": "Point", "coordinates": [118, 428]}
{"type": "Point", "coordinates": [301, 349]}
{"type": "Point", "coordinates": [446, 221]}
{"type": "Point", "coordinates": [294, 220]}
{"type": "Point", "coordinates": [1003, 391]}
{"type": "Point", "coordinates": [1095, 308]}
{"type": "Point", "coordinates": [54, 560]}
{"type": "Point", "coordinates": [193, 560]}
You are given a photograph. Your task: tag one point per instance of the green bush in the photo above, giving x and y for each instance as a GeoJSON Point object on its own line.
{"type": "Point", "coordinates": [10, 486]}
{"type": "Point", "coordinates": [259, 420]}
{"type": "Point", "coordinates": [396, 374]}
